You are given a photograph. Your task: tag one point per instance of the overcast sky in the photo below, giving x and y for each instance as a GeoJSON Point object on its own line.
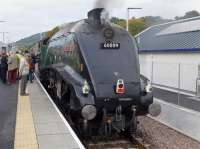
{"type": "Point", "coordinates": [27, 17]}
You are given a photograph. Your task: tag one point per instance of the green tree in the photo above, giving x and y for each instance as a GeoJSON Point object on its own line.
{"type": "Point", "coordinates": [154, 20]}
{"type": "Point", "coordinates": [136, 25]}
{"type": "Point", "coordinates": [188, 14]}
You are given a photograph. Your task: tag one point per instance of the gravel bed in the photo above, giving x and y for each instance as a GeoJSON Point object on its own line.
{"type": "Point", "coordinates": [163, 137]}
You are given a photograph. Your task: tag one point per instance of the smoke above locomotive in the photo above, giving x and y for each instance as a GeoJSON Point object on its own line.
{"type": "Point", "coordinates": [108, 4]}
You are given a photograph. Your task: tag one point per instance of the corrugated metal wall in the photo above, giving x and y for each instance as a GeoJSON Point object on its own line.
{"type": "Point", "coordinates": [173, 70]}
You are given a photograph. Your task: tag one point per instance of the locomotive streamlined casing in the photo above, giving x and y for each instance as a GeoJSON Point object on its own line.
{"type": "Point", "coordinates": [103, 76]}
{"type": "Point", "coordinates": [102, 67]}
{"type": "Point", "coordinates": [107, 66]}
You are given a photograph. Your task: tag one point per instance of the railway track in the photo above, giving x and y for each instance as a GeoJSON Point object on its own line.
{"type": "Point", "coordinates": [119, 141]}
{"type": "Point", "coordinates": [116, 143]}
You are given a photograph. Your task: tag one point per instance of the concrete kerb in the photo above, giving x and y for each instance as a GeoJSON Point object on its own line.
{"type": "Point", "coordinates": [182, 120]}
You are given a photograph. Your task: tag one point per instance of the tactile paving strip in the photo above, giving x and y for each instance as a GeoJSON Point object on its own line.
{"type": "Point", "coordinates": [25, 136]}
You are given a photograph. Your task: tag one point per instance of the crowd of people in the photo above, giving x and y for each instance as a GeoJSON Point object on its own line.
{"type": "Point", "coordinates": [15, 66]}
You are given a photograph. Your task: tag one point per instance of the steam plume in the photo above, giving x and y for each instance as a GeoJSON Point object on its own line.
{"type": "Point", "coordinates": [108, 4]}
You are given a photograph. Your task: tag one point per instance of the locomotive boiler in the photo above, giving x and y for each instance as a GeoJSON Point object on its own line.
{"type": "Point", "coordinates": [91, 68]}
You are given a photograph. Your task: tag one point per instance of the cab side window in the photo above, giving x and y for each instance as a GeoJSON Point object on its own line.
{"type": "Point", "coordinates": [56, 49]}
{"type": "Point", "coordinates": [71, 52]}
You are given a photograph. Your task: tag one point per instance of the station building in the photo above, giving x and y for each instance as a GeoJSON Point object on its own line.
{"type": "Point", "coordinates": [170, 54]}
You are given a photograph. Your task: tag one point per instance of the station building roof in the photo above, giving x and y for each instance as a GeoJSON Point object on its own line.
{"type": "Point", "coordinates": [181, 35]}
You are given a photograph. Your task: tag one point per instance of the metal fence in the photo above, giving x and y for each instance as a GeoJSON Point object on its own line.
{"type": "Point", "coordinates": [180, 78]}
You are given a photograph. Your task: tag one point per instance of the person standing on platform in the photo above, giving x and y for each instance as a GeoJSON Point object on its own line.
{"type": "Point", "coordinates": [19, 56]}
{"type": "Point", "coordinates": [23, 72]}
{"type": "Point", "coordinates": [0, 65]}
{"type": "Point", "coordinates": [13, 65]}
{"type": "Point", "coordinates": [18, 59]}
{"type": "Point", "coordinates": [4, 66]}
{"type": "Point", "coordinates": [34, 61]}
{"type": "Point", "coordinates": [31, 68]}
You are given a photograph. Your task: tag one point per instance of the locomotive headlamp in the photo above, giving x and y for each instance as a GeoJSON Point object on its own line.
{"type": "Point", "coordinates": [148, 87]}
{"type": "Point", "coordinates": [86, 88]}
{"type": "Point", "coordinates": [145, 84]}
{"type": "Point", "coordinates": [89, 112]}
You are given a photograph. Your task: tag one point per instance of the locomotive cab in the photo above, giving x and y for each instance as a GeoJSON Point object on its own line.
{"type": "Point", "coordinates": [91, 68]}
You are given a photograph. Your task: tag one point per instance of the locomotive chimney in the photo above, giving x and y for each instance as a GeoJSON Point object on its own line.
{"type": "Point", "coordinates": [96, 17]}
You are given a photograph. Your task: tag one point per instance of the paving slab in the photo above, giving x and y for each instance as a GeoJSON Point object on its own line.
{"type": "Point", "coordinates": [51, 128]}
{"type": "Point", "coordinates": [60, 141]}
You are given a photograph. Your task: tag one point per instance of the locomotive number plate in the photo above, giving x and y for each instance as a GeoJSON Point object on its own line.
{"type": "Point", "coordinates": [110, 45]}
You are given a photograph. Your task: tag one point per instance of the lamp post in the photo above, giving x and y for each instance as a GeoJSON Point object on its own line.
{"type": "Point", "coordinates": [3, 33]}
{"type": "Point", "coordinates": [127, 22]}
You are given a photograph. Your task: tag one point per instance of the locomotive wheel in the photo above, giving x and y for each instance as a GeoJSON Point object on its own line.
{"type": "Point", "coordinates": [44, 79]}
{"type": "Point", "coordinates": [131, 123]}
{"type": "Point", "coordinates": [133, 126]}
{"type": "Point", "coordinates": [58, 91]}
{"type": "Point", "coordinates": [74, 104]}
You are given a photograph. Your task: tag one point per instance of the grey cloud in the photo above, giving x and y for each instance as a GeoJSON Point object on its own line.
{"type": "Point", "coordinates": [28, 17]}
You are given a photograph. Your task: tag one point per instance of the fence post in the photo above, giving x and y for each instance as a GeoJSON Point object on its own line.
{"type": "Point", "coordinates": [198, 82]}
{"type": "Point", "coordinates": [152, 71]}
{"type": "Point", "coordinates": [179, 82]}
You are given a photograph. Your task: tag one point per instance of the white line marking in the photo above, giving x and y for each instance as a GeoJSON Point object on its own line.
{"type": "Point", "coordinates": [62, 117]}
{"type": "Point", "coordinates": [174, 90]}
{"type": "Point", "coordinates": [178, 107]}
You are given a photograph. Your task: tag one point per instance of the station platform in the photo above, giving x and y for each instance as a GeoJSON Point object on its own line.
{"type": "Point", "coordinates": [33, 121]}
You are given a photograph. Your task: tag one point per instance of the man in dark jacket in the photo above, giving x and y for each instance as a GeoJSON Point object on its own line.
{"type": "Point", "coordinates": [0, 65]}
{"type": "Point", "coordinates": [4, 67]}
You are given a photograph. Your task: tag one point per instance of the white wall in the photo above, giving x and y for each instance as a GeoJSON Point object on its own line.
{"type": "Point", "coordinates": [164, 69]}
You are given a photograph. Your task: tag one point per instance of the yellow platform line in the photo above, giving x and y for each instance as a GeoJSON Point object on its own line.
{"type": "Point", "coordinates": [25, 136]}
